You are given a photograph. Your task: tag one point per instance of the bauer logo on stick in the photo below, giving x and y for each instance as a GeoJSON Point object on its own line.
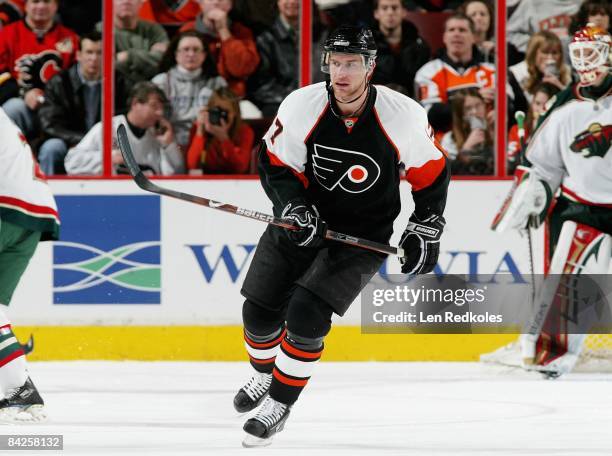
{"type": "Point", "coordinates": [353, 172]}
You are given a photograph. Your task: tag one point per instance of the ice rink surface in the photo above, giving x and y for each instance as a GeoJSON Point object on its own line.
{"type": "Point", "coordinates": [165, 408]}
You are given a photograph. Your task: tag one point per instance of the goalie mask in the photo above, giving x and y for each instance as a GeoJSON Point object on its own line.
{"type": "Point", "coordinates": [590, 53]}
{"type": "Point", "coordinates": [350, 40]}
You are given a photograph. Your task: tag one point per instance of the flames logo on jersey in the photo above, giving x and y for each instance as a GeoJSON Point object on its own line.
{"type": "Point", "coordinates": [353, 172]}
{"type": "Point", "coordinates": [35, 70]}
{"type": "Point", "coordinates": [593, 142]}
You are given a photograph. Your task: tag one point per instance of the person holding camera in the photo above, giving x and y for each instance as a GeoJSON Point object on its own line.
{"type": "Point", "coordinates": [150, 134]}
{"type": "Point", "coordinates": [222, 143]}
{"type": "Point", "coordinates": [469, 144]}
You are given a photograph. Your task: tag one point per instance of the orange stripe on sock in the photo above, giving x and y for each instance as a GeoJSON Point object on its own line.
{"type": "Point", "coordinates": [11, 357]}
{"type": "Point", "coordinates": [288, 381]}
{"type": "Point", "coordinates": [301, 353]}
{"type": "Point", "coordinates": [262, 361]}
{"type": "Point", "coordinates": [265, 344]}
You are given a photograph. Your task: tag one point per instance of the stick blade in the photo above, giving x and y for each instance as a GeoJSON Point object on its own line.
{"type": "Point", "coordinates": [126, 151]}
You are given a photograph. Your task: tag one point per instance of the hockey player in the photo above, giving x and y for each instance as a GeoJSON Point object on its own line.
{"type": "Point", "coordinates": [334, 156]}
{"type": "Point", "coordinates": [569, 153]}
{"type": "Point", "coordinates": [27, 215]}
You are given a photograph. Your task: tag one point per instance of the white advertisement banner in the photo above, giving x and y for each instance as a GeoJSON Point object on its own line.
{"type": "Point", "coordinates": [127, 257]}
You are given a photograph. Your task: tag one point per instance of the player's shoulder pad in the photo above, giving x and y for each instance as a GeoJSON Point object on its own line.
{"type": "Point", "coordinates": [7, 126]}
{"type": "Point", "coordinates": [300, 110]}
{"type": "Point", "coordinates": [397, 112]}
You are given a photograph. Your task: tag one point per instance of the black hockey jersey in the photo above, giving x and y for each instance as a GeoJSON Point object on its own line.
{"type": "Point", "coordinates": [351, 173]}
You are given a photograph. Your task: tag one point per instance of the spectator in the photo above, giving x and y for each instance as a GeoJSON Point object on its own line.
{"type": "Point", "coordinates": [541, 96]}
{"type": "Point", "coordinates": [596, 12]}
{"type": "Point", "coordinates": [401, 51]}
{"type": "Point", "coordinates": [139, 44]}
{"type": "Point", "coordinates": [458, 66]}
{"type": "Point", "coordinates": [32, 51]}
{"type": "Point", "coordinates": [528, 17]}
{"type": "Point", "coordinates": [278, 49]}
{"type": "Point", "coordinates": [80, 16]}
{"type": "Point", "coordinates": [170, 14]}
{"type": "Point", "coordinates": [189, 78]}
{"type": "Point", "coordinates": [11, 11]}
{"type": "Point", "coordinates": [150, 134]}
{"type": "Point", "coordinates": [543, 63]}
{"type": "Point", "coordinates": [222, 143]}
{"type": "Point", "coordinates": [73, 102]}
{"type": "Point", "coordinates": [230, 43]}
{"type": "Point", "coordinates": [482, 14]}
{"type": "Point", "coordinates": [470, 144]}
{"type": "Point", "coordinates": [257, 15]}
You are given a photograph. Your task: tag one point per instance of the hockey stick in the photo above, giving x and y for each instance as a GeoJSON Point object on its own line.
{"type": "Point", "coordinates": [143, 182]}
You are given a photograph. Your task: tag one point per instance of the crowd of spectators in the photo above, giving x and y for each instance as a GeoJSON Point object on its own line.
{"type": "Point", "coordinates": [197, 82]}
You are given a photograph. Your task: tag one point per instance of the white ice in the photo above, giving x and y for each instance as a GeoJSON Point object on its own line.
{"type": "Point", "coordinates": [166, 408]}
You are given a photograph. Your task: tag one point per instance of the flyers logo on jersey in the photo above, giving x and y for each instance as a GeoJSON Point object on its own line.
{"type": "Point", "coordinates": [353, 172]}
{"type": "Point", "coordinates": [593, 142]}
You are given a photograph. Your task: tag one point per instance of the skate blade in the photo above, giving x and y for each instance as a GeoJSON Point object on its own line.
{"type": "Point", "coordinates": [250, 441]}
{"type": "Point", "coordinates": [16, 415]}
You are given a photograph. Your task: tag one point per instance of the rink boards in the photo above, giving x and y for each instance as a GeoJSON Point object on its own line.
{"type": "Point", "coordinates": [137, 276]}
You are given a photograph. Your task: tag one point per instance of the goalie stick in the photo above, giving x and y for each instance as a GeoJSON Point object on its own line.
{"type": "Point", "coordinates": [143, 182]}
{"type": "Point", "coordinates": [520, 121]}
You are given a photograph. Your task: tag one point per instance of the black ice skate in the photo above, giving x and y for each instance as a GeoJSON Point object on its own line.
{"type": "Point", "coordinates": [22, 404]}
{"type": "Point", "coordinates": [251, 394]}
{"type": "Point", "coordinates": [550, 374]}
{"type": "Point", "coordinates": [269, 420]}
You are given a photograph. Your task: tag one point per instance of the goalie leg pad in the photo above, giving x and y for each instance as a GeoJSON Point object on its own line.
{"type": "Point", "coordinates": [581, 250]}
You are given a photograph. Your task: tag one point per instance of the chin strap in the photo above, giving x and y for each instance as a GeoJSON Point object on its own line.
{"type": "Point", "coordinates": [331, 97]}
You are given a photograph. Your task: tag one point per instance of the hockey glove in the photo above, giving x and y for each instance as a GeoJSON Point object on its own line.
{"type": "Point", "coordinates": [421, 244]}
{"type": "Point", "coordinates": [306, 217]}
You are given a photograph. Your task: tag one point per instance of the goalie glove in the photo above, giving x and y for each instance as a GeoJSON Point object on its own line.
{"type": "Point", "coordinates": [421, 244]}
{"type": "Point", "coordinates": [312, 228]}
{"type": "Point", "coordinates": [527, 203]}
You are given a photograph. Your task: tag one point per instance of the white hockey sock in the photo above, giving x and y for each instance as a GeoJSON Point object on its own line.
{"type": "Point", "coordinates": [13, 369]}
{"type": "Point", "coordinates": [262, 350]}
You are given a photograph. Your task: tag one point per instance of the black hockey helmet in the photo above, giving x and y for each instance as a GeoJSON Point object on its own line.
{"type": "Point", "coordinates": [350, 40]}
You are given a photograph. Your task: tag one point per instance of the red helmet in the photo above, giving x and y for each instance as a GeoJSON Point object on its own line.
{"type": "Point", "coordinates": [590, 52]}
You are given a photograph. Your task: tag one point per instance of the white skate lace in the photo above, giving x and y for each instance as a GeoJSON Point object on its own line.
{"type": "Point", "coordinates": [258, 385]}
{"type": "Point", "coordinates": [271, 412]}
{"type": "Point", "coordinates": [12, 393]}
